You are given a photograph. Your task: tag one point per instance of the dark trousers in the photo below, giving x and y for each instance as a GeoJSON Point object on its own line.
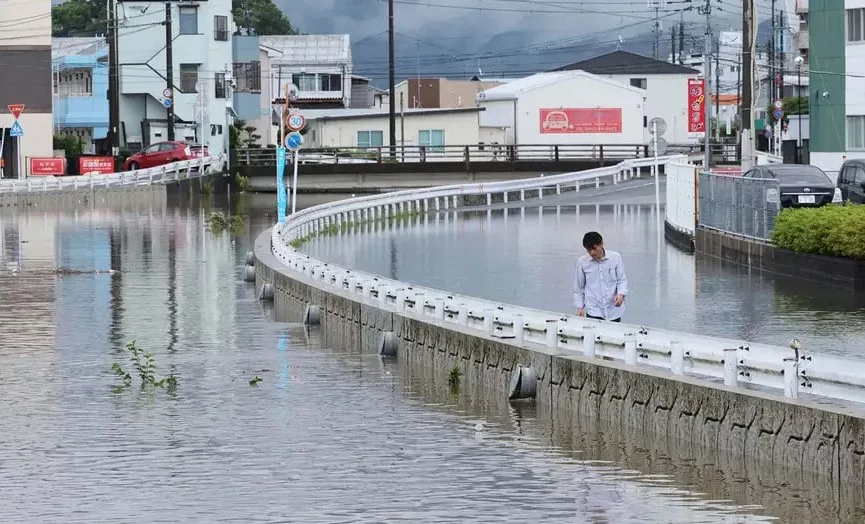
{"type": "Point", "coordinates": [599, 318]}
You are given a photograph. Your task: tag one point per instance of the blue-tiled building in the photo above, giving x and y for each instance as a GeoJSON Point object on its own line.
{"type": "Point", "coordinates": [80, 72]}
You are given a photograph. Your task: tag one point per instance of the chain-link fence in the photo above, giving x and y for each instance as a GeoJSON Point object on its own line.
{"type": "Point", "coordinates": [744, 206]}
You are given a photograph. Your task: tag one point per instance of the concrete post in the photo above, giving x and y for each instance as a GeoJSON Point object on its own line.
{"type": "Point", "coordinates": [630, 349]}
{"type": "Point", "coordinates": [489, 199]}
{"type": "Point", "coordinates": [589, 341]}
{"type": "Point", "coordinates": [463, 315]}
{"type": "Point", "coordinates": [552, 333]}
{"type": "Point", "coordinates": [505, 197]}
{"type": "Point", "coordinates": [522, 194]}
{"type": "Point", "coordinates": [677, 358]}
{"type": "Point", "coordinates": [456, 201]}
{"type": "Point", "coordinates": [439, 308]}
{"type": "Point", "coordinates": [731, 367]}
{"type": "Point", "coordinates": [382, 296]}
{"type": "Point", "coordinates": [791, 378]}
{"type": "Point", "coordinates": [488, 321]}
{"type": "Point", "coordinates": [400, 300]}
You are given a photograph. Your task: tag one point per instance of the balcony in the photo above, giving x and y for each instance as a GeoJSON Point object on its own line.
{"type": "Point", "coordinates": [81, 111]}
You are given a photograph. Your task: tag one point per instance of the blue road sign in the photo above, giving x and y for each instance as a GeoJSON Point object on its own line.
{"type": "Point", "coordinates": [167, 103]}
{"type": "Point", "coordinates": [293, 141]}
{"type": "Point", "coordinates": [778, 114]}
{"type": "Point", "coordinates": [16, 130]}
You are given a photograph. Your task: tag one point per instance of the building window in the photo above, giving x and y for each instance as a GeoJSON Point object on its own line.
{"type": "Point", "coordinates": [305, 81]}
{"type": "Point", "coordinates": [219, 85]}
{"type": "Point", "coordinates": [639, 83]}
{"type": "Point", "coordinates": [247, 77]}
{"type": "Point", "coordinates": [855, 25]}
{"type": "Point", "coordinates": [433, 139]}
{"type": "Point", "coordinates": [856, 132]}
{"type": "Point", "coordinates": [188, 20]}
{"type": "Point", "coordinates": [370, 138]}
{"type": "Point", "coordinates": [220, 28]}
{"type": "Point", "coordinates": [331, 82]}
{"type": "Point", "coordinates": [188, 78]}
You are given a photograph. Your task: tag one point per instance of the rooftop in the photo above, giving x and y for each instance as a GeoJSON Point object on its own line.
{"type": "Point", "coordinates": [62, 47]}
{"type": "Point", "coordinates": [308, 49]}
{"type": "Point", "coordinates": [626, 63]}
{"type": "Point", "coordinates": [335, 114]}
{"type": "Point", "coordinates": [512, 90]}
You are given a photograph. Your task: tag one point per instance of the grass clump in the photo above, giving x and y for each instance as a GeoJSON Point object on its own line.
{"type": "Point", "coordinates": [827, 230]}
{"type": "Point", "coordinates": [243, 183]}
{"type": "Point", "coordinates": [144, 365]}
{"type": "Point", "coordinates": [219, 222]}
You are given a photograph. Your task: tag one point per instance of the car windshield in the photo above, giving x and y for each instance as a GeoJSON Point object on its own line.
{"type": "Point", "coordinates": [800, 175]}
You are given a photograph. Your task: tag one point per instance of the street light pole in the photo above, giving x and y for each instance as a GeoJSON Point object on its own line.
{"type": "Point", "coordinates": [799, 142]}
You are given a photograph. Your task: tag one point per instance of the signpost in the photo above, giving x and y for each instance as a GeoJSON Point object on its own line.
{"type": "Point", "coordinates": [658, 127]}
{"type": "Point", "coordinates": [294, 141]}
{"type": "Point", "coordinates": [17, 131]}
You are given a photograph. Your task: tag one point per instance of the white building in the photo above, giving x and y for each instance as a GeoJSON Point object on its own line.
{"type": "Point", "coordinates": [664, 85]}
{"type": "Point", "coordinates": [370, 128]}
{"type": "Point", "coordinates": [319, 65]}
{"type": "Point", "coordinates": [25, 55]}
{"type": "Point", "coordinates": [202, 66]}
{"type": "Point", "coordinates": [568, 108]}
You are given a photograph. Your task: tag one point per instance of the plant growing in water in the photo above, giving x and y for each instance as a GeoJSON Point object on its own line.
{"type": "Point", "coordinates": [243, 184]}
{"type": "Point", "coordinates": [254, 381]}
{"type": "Point", "coordinates": [219, 223]}
{"type": "Point", "coordinates": [207, 188]}
{"type": "Point", "coordinates": [145, 365]}
{"type": "Point", "coordinates": [454, 376]}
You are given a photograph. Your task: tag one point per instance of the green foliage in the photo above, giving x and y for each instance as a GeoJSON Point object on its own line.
{"type": "Point", "coordinates": [71, 144]}
{"type": "Point", "coordinates": [243, 183]}
{"type": "Point", "coordinates": [145, 366]}
{"type": "Point", "coordinates": [207, 187]}
{"type": "Point", "coordinates": [828, 230]}
{"type": "Point", "coordinates": [254, 381]}
{"type": "Point", "coordinates": [265, 17]}
{"type": "Point", "coordinates": [454, 376]}
{"type": "Point", "coordinates": [88, 17]}
{"type": "Point", "coordinates": [243, 136]}
{"type": "Point", "coordinates": [219, 222]}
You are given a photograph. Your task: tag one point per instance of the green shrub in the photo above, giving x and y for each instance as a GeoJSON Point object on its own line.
{"type": "Point", "coordinates": [828, 230]}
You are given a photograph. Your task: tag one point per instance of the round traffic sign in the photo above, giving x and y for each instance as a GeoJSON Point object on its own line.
{"type": "Point", "coordinates": [292, 92]}
{"type": "Point", "coordinates": [779, 104]}
{"type": "Point", "coordinates": [657, 125]}
{"type": "Point", "coordinates": [166, 103]}
{"type": "Point", "coordinates": [293, 141]}
{"type": "Point", "coordinates": [778, 114]}
{"type": "Point", "coordinates": [167, 93]}
{"type": "Point", "coordinates": [295, 122]}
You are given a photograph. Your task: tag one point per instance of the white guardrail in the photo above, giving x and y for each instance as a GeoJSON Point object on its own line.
{"type": "Point", "coordinates": [680, 206]}
{"type": "Point", "coordinates": [737, 363]}
{"type": "Point", "coordinates": [172, 172]}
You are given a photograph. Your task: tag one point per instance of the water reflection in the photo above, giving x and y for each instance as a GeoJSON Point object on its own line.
{"type": "Point", "coordinates": [526, 255]}
{"type": "Point", "coordinates": [340, 434]}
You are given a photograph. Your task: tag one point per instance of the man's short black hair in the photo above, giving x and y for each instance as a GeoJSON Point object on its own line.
{"type": "Point", "coordinates": [592, 239]}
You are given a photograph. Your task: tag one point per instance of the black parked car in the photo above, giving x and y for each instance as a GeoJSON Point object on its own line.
{"type": "Point", "coordinates": [801, 185]}
{"type": "Point", "coordinates": [851, 181]}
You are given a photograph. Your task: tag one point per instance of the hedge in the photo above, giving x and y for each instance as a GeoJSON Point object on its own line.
{"type": "Point", "coordinates": [829, 230]}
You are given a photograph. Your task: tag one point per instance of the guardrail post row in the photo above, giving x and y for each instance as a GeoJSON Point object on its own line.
{"type": "Point", "coordinates": [677, 358]}
{"type": "Point", "coordinates": [588, 340]}
{"type": "Point", "coordinates": [731, 367]}
{"type": "Point", "coordinates": [552, 333]}
{"type": "Point", "coordinates": [456, 201]}
{"type": "Point", "coordinates": [791, 377]}
{"type": "Point", "coordinates": [519, 329]}
{"type": "Point", "coordinates": [630, 349]}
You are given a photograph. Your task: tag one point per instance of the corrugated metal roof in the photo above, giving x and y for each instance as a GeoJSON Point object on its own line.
{"type": "Point", "coordinates": [513, 90]}
{"type": "Point", "coordinates": [308, 49]}
{"type": "Point", "coordinates": [67, 46]}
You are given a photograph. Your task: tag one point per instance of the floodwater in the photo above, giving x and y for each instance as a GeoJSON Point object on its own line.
{"type": "Point", "coordinates": [327, 435]}
{"type": "Point", "coordinates": [526, 255]}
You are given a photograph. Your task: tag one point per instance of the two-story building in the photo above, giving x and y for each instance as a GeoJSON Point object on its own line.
{"type": "Point", "coordinates": [201, 34]}
{"type": "Point", "coordinates": [665, 86]}
{"type": "Point", "coordinates": [80, 89]}
{"type": "Point", "coordinates": [320, 66]}
{"type": "Point", "coordinates": [25, 78]}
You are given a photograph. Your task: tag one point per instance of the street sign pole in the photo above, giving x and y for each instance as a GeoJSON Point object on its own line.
{"type": "Point", "coordinates": [293, 141]}
{"type": "Point", "coordinates": [294, 183]}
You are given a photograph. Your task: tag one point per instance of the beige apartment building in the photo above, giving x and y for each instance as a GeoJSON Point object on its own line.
{"type": "Point", "coordinates": [25, 63]}
{"type": "Point", "coordinates": [440, 93]}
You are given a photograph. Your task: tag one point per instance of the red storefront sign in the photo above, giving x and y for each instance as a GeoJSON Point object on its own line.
{"type": "Point", "coordinates": [47, 166]}
{"type": "Point", "coordinates": [581, 120]}
{"type": "Point", "coordinates": [696, 106]}
{"type": "Point", "coordinates": [96, 165]}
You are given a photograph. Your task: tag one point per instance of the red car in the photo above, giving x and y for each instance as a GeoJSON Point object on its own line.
{"type": "Point", "coordinates": [162, 153]}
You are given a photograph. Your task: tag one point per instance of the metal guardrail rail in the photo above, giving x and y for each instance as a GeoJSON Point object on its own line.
{"type": "Point", "coordinates": [143, 177]}
{"type": "Point", "coordinates": [456, 153]}
{"type": "Point", "coordinates": [736, 363]}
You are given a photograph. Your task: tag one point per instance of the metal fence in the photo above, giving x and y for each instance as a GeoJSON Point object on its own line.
{"type": "Point", "coordinates": [744, 206]}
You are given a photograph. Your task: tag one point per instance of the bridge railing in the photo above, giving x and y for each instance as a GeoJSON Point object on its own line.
{"type": "Point", "coordinates": [142, 177]}
{"type": "Point", "coordinates": [735, 363]}
{"type": "Point", "coordinates": [449, 153]}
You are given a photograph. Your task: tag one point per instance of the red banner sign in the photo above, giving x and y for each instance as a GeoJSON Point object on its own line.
{"type": "Point", "coordinates": [582, 120]}
{"type": "Point", "coordinates": [696, 105]}
{"type": "Point", "coordinates": [95, 165]}
{"type": "Point", "coordinates": [47, 166]}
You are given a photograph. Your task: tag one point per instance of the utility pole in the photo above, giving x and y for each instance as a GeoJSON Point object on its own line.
{"type": "Point", "coordinates": [390, 66]}
{"type": "Point", "coordinates": [717, 95]}
{"type": "Point", "coordinates": [169, 70]}
{"type": "Point", "coordinates": [657, 35]}
{"type": "Point", "coordinates": [681, 37]}
{"type": "Point", "coordinates": [707, 74]}
{"type": "Point", "coordinates": [747, 84]}
{"type": "Point", "coordinates": [113, 82]}
{"type": "Point", "coordinates": [673, 44]}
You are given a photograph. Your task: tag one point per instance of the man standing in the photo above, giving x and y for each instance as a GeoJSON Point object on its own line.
{"type": "Point", "coordinates": [600, 284]}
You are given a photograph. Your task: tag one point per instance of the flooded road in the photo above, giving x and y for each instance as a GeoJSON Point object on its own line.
{"type": "Point", "coordinates": [327, 435]}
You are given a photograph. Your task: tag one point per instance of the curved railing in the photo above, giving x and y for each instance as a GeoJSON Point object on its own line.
{"type": "Point", "coordinates": [737, 363]}
{"type": "Point", "coordinates": [175, 171]}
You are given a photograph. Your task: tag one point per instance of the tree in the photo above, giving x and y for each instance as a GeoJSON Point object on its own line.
{"type": "Point", "coordinates": [88, 17]}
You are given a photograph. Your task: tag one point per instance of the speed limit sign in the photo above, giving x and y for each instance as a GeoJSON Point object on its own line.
{"type": "Point", "coordinates": [295, 122]}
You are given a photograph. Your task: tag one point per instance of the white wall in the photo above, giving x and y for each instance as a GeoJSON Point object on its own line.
{"type": "Point", "coordinates": [666, 97]}
{"type": "Point", "coordinates": [460, 129]}
{"type": "Point", "coordinates": [264, 125]}
{"type": "Point", "coordinates": [145, 44]}
{"type": "Point", "coordinates": [855, 79]}
{"type": "Point", "coordinates": [580, 92]}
